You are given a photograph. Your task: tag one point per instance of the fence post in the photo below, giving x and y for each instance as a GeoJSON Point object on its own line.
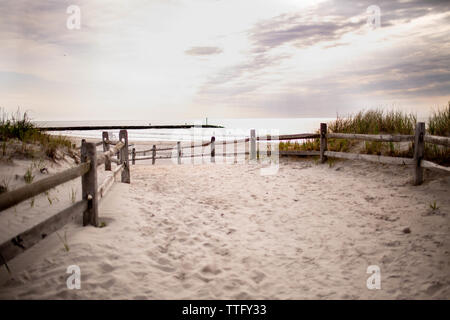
{"type": "Point", "coordinates": [153, 154]}
{"type": "Point", "coordinates": [235, 151]}
{"type": "Point", "coordinates": [252, 145]}
{"type": "Point", "coordinates": [257, 149]}
{"type": "Point", "coordinates": [323, 142]}
{"type": "Point", "coordinates": [269, 146]}
{"type": "Point", "coordinates": [105, 138]}
{"type": "Point", "coordinates": [179, 152]}
{"type": "Point", "coordinates": [419, 148]}
{"type": "Point", "coordinates": [133, 156]}
{"type": "Point", "coordinates": [224, 150]}
{"type": "Point", "coordinates": [246, 151]}
{"type": "Point", "coordinates": [213, 149]}
{"type": "Point", "coordinates": [123, 136]}
{"type": "Point", "coordinates": [192, 152]}
{"type": "Point", "coordinates": [89, 184]}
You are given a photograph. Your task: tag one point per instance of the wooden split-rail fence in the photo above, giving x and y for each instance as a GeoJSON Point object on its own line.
{"type": "Point", "coordinates": [87, 207]}
{"type": "Point", "coordinates": [417, 161]}
{"type": "Point", "coordinates": [91, 193]}
{"type": "Point", "coordinates": [251, 151]}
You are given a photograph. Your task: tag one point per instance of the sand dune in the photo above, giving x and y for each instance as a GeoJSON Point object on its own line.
{"type": "Point", "coordinates": [226, 232]}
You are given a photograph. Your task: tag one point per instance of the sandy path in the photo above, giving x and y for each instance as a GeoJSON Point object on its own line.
{"type": "Point", "coordinates": [226, 232]}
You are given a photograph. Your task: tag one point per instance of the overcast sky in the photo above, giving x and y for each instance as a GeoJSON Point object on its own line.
{"type": "Point", "coordinates": [185, 59]}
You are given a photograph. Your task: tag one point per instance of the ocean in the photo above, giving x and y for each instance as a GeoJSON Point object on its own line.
{"type": "Point", "coordinates": [233, 128]}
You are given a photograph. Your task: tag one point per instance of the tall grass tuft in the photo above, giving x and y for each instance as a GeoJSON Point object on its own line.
{"type": "Point", "coordinates": [16, 126]}
{"type": "Point", "coordinates": [19, 127]}
{"type": "Point", "coordinates": [378, 121]}
{"type": "Point", "coordinates": [439, 122]}
{"type": "Point", "coordinates": [375, 122]}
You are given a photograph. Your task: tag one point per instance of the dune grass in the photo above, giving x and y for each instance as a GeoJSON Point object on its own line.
{"type": "Point", "coordinates": [378, 121]}
{"type": "Point", "coordinates": [439, 122]}
{"type": "Point", "coordinates": [375, 121]}
{"type": "Point", "coordinates": [18, 129]}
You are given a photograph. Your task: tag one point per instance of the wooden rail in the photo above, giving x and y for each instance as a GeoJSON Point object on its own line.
{"type": "Point", "coordinates": [435, 167]}
{"type": "Point", "coordinates": [18, 195]}
{"type": "Point", "coordinates": [443, 141]}
{"type": "Point", "coordinates": [291, 136]}
{"type": "Point", "coordinates": [372, 137]}
{"type": "Point", "coordinates": [370, 158]}
{"type": "Point", "coordinates": [104, 187]}
{"type": "Point", "coordinates": [23, 241]}
{"type": "Point", "coordinates": [102, 158]}
{"type": "Point", "coordinates": [299, 153]}
{"type": "Point", "coordinates": [87, 207]}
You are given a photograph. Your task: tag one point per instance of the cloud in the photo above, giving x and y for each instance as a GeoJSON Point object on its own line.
{"type": "Point", "coordinates": [312, 61]}
{"type": "Point", "coordinates": [330, 20]}
{"type": "Point", "coordinates": [406, 65]}
{"type": "Point", "coordinates": [299, 31]}
{"type": "Point", "coordinates": [203, 51]}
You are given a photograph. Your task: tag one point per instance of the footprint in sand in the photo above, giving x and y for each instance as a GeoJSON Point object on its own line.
{"type": "Point", "coordinates": [432, 289]}
{"type": "Point", "coordinates": [106, 267]}
{"type": "Point", "coordinates": [164, 268]}
{"type": "Point", "coordinates": [211, 269]}
{"type": "Point", "coordinates": [107, 284]}
{"type": "Point", "coordinates": [164, 264]}
{"type": "Point", "coordinates": [258, 276]}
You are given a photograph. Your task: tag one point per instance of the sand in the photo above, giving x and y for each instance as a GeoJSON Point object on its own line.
{"type": "Point", "coordinates": [223, 231]}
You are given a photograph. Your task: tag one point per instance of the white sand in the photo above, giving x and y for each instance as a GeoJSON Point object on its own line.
{"type": "Point", "coordinates": [226, 232]}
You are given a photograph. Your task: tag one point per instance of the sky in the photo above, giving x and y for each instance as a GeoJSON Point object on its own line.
{"type": "Point", "coordinates": [188, 59]}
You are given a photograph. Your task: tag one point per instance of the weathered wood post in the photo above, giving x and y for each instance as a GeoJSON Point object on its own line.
{"type": "Point", "coordinates": [192, 152]}
{"type": "Point", "coordinates": [235, 151]}
{"type": "Point", "coordinates": [269, 146]}
{"type": "Point", "coordinates": [419, 148]}
{"type": "Point", "coordinates": [213, 149]}
{"type": "Point", "coordinates": [252, 145]}
{"type": "Point", "coordinates": [89, 184]}
{"type": "Point", "coordinates": [124, 159]}
{"type": "Point", "coordinates": [179, 152]}
{"type": "Point", "coordinates": [257, 149]}
{"type": "Point", "coordinates": [246, 151]}
{"type": "Point", "coordinates": [105, 139]}
{"type": "Point", "coordinates": [133, 156]}
{"type": "Point", "coordinates": [323, 142]}
{"type": "Point", "coordinates": [224, 150]}
{"type": "Point", "coordinates": [153, 154]}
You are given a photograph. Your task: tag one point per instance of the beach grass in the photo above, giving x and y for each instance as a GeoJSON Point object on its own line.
{"type": "Point", "coordinates": [377, 121]}
{"type": "Point", "coordinates": [439, 122]}
{"type": "Point", "coordinates": [18, 132]}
